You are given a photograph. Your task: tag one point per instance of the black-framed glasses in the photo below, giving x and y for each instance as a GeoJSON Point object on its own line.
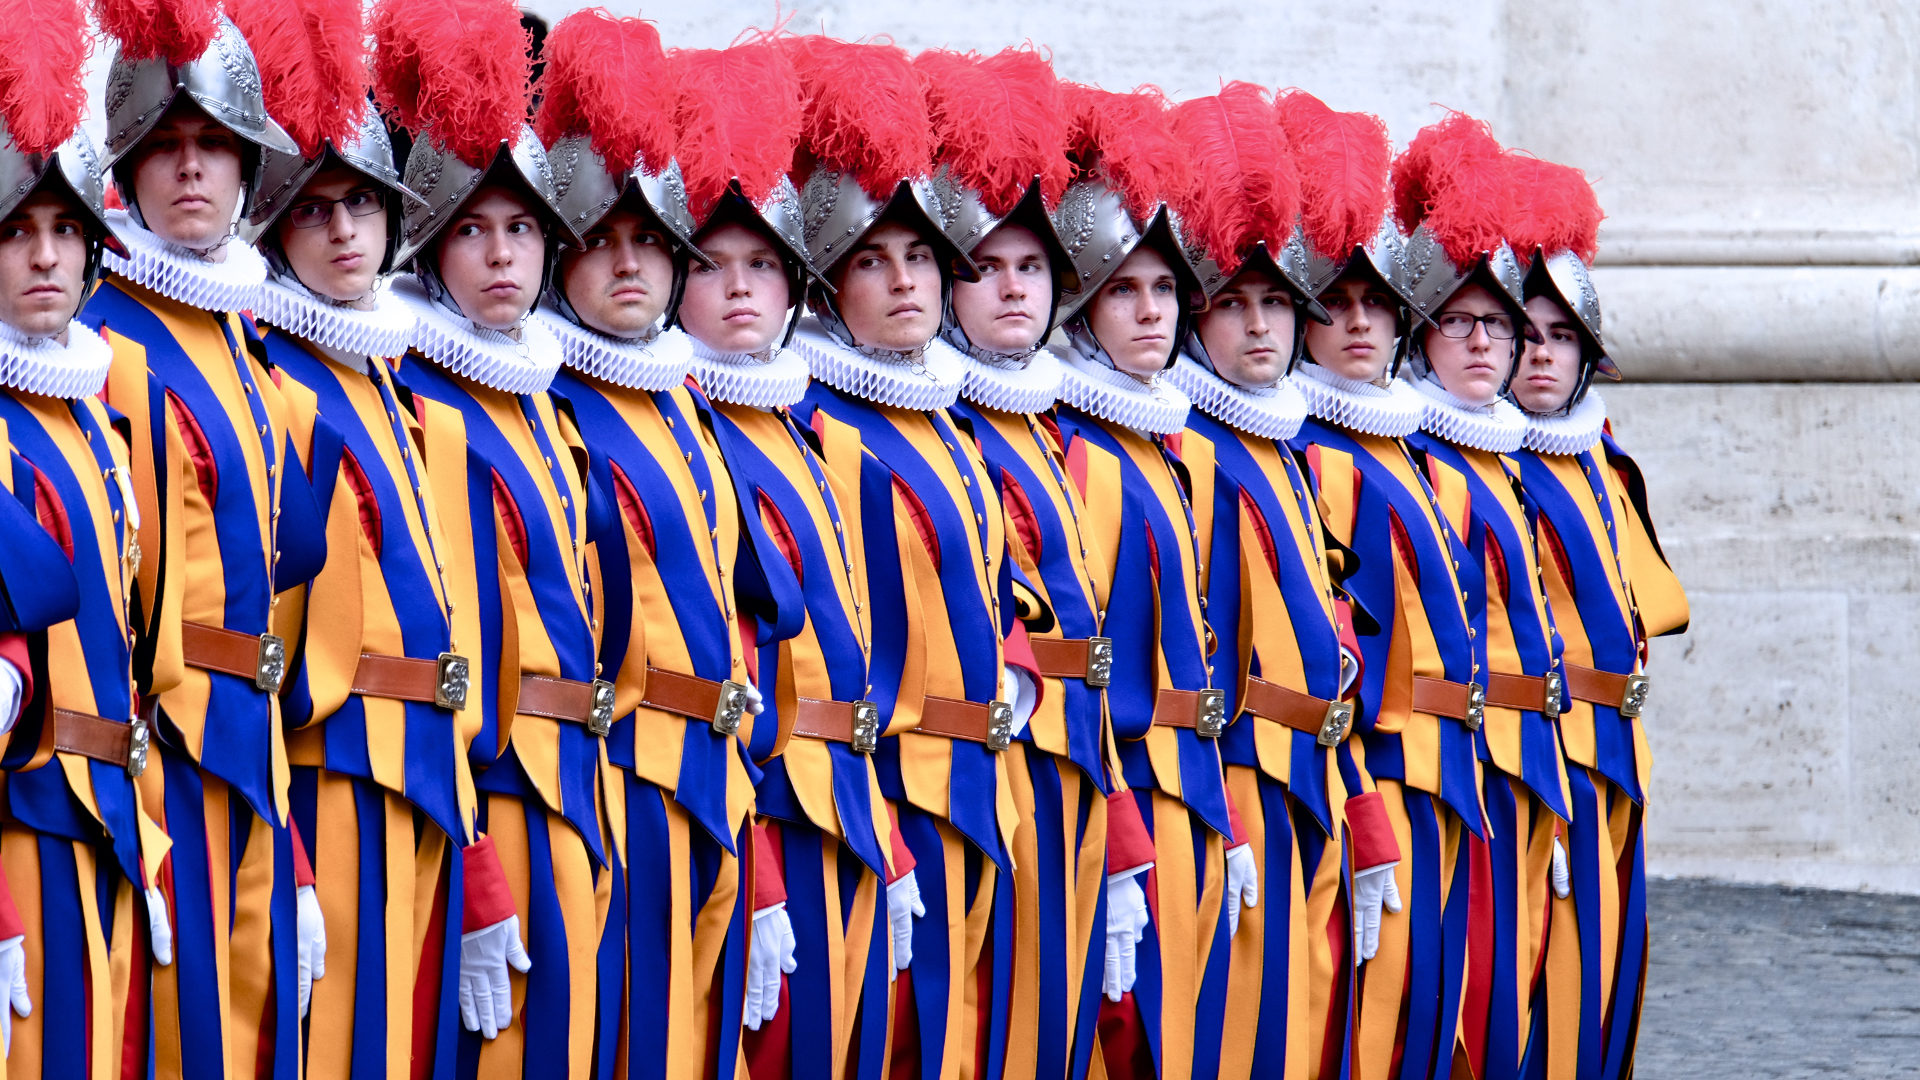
{"type": "Point", "coordinates": [312, 215]}
{"type": "Point", "coordinates": [1459, 324]}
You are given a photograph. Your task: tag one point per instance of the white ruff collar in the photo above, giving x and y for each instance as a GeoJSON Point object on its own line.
{"type": "Point", "coordinates": [1392, 411]}
{"type": "Point", "coordinates": [659, 362]}
{"type": "Point", "coordinates": [488, 357]}
{"type": "Point", "coordinates": [383, 330]}
{"type": "Point", "coordinates": [1028, 385]}
{"type": "Point", "coordinates": [1272, 412]}
{"type": "Point", "coordinates": [180, 274]}
{"type": "Point", "coordinates": [1498, 428]}
{"type": "Point", "coordinates": [1571, 432]}
{"type": "Point", "coordinates": [44, 366]}
{"type": "Point", "coordinates": [921, 379]}
{"type": "Point", "coordinates": [1094, 388]}
{"type": "Point", "coordinates": [772, 379]}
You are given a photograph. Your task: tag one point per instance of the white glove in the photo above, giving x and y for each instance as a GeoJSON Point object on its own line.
{"type": "Point", "coordinates": [11, 687]}
{"type": "Point", "coordinates": [159, 928]}
{"type": "Point", "coordinates": [13, 974]}
{"type": "Point", "coordinates": [1126, 929]}
{"type": "Point", "coordinates": [1373, 888]}
{"type": "Point", "coordinates": [771, 954]}
{"type": "Point", "coordinates": [903, 906]}
{"type": "Point", "coordinates": [756, 704]}
{"type": "Point", "coordinates": [312, 928]}
{"type": "Point", "coordinates": [1017, 690]}
{"type": "Point", "coordinates": [486, 997]}
{"type": "Point", "coordinates": [1243, 885]}
{"type": "Point", "coordinates": [1349, 669]}
{"type": "Point", "coordinates": [1562, 880]}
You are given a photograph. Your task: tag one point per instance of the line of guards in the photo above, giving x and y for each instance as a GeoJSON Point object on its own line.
{"type": "Point", "coordinates": [689, 625]}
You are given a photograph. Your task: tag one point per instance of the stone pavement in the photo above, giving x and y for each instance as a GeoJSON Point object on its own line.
{"type": "Point", "coordinates": [1759, 981]}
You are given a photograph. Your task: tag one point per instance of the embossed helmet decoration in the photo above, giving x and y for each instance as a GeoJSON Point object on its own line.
{"type": "Point", "coordinates": [1556, 227]}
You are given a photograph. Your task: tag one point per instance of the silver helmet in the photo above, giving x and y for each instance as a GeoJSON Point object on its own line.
{"type": "Point", "coordinates": [838, 213]}
{"type": "Point", "coordinates": [966, 221]}
{"type": "Point", "coordinates": [368, 151]}
{"type": "Point", "coordinates": [1098, 233]}
{"type": "Point", "coordinates": [1433, 277]}
{"type": "Point", "coordinates": [443, 183]}
{"type": "Point", "coordinates": [72, 170]}
{"type": "Point", "coordinates": [1565, 277]}
{"type": "Point", "coordinates": [586, 189]}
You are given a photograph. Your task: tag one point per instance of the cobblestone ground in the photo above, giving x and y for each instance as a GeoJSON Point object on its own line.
{"type": "Point", "coordinates": [1769, 982]}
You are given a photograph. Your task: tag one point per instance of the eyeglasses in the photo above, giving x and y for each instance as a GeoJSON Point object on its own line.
{"type": "Point", "coordinates": [1458, 324]}
{"type": "Point", "coordinates": [312, 215]}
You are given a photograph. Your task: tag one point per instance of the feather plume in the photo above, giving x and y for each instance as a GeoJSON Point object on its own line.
{"type": "Point", "coordinates": [999, 121]}
{"type": "Point", "coordinates": [179, 30]}
{"type": "Point", "coordinates": [43, 57]}
{"type": "Point", "coordinates": [1452, 178]}
{"type": "Point", "coordinates": [454, 71]}
{"type": "Point", "coordinates": [1554, 208]}
{"type": "Point", "coordinates": [1127, 141]}
{"type": "Point", "coordinates": [1244, 187]}
{"type": "Point", "coordinates": [1343, 159]}
{"type": "Point", "coordinates": [608, 78]}
{"type": "Point", "coordinates": [865, 114]}
{"type": "Point", "coordinates": [313, 69]}
{"type": "Point", "coordinates": [738, 114]}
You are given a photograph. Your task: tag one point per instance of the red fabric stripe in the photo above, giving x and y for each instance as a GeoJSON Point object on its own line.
{"type": "Point", "coordinates": [1476, 1008]}
{"type": "Point", "coordinates": [1129, 845]}
{"type": "Point", "coordinates": [364, 498]}
{"type": "Point", "coordinates": [199, 450]}
{"type": "Point", "coordinates": [488, 899]}
{"type": "Point", "coordinates": [509, 512]}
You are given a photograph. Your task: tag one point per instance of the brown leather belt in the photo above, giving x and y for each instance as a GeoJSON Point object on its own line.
{"type": "Point", "coordinates": [1464, 702]}
{"type": "Point", "coordinates": [1534, 693]}
{"type": "Point", "coordinates": [989, 723]}
{"type": "Point", "coordinates": [856, 723]}
{"type": "Point", "coordinates": [1203, 711]}
{"type": "Point", "coordinates": [261, 658]}
{"type": "Point", "coordinates": [721, 703]}
{"type": "Point", "coordinates": [575, 702]}
{"type": "Point", "coordinates": [1628, 693]}
{"type": "Point", "coordinates": [1075, 658]}
{"type": "Point", "coordinates": [441, 682]}
{"type": "Point", "coordinates": [99, 739]}
{"type": "Point", "coordinates": [1327, 721]}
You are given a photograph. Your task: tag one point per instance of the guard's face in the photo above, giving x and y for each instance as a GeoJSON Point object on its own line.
{"type": "Point", "coordinates": [621, 281]}
{"type": "Point", "coordinates": [889, 289]}
{"type": "Point", "coordinates": [739, 304]}
{"type": "Point", "coordinates": [186, 178]}
{"type": "Point", "coordinates": [1358, 344]}
{"type": "Point", "coordinates": [1006, 310]}
{"type": "Point", "coordinates": [1550, 367]}
{"type": "Point", "coordinates": [1248, 332]}
{"type": "Point", "coordinates": [334, 234]}
{"type": "Point", "coordinates": [1472, 366]}
{"type": "Point", "coordinates": [491, 258]}
{"type": "Point", "coordinates": [1134, 314]}
{"type": "Point", "coordinates": [43, 263]}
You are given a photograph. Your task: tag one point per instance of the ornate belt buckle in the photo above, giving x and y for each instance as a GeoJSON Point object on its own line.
{"type": "Point", "coordinates": [450, 679]}
{"type": "Point", "coordinates": [1336, 723]}
{"type": "Point", "coordinates": [1210, 713]}
{"type": "Point", "coordinates": [1635, 697]}
{"type": "Point", "coordinates": [1476, 706]}
{"type": "Point", "coordinates": [999, 726]}
{"type": "Point", "coordinates": [866, 727]}
{"type": "Point", "coordinates": [139, 739]}
{"type": "Point", "coordinates": [1555, 695]}
{"type": "Point", "coordinates": [270, 664]}
{"type": "Point", "coordinates": [600, 713]}
{"type": "Point", "coordinates": [1099, 661]}
{"type": "Point", "coordinates": [732, 706]}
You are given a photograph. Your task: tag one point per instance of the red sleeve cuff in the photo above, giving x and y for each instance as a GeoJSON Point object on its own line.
{"type": "Point", "coordinates": [1370, 836]}
{"type": "Point", "coordinates": [1129, 844]}
{"type": "Point", "coordinates": [11, 925]}
{"type": "Point", "coordinates": [1239, 831]}
{"type": "Point", "coordinates": [1019, 653]}
{"type": "Point", "coordinates": [13, 649]}
{"type": "Point", "coordinates": [488, 900]}
{"type": "Point", "coordinates": [903, 863]}
{"type": "Point", "coordinates": [769, 876]}
{"type": "Point", "coordinates": [302, 866]}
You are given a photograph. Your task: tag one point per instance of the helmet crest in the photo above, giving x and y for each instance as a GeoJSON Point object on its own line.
{"type": "Point", "coordinates": [999, 121]}
{"type": "Point", "coordinates": [312, 61]}
{"type": "Point", "coordinates": [454, 71]}
{"type": "Point", "coordinates": [608, 78]}
{"type": "Point", "coordinates": [1343, 158]}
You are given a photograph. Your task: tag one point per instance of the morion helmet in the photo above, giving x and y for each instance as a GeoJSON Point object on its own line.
{"type": "Point", "coordinates": [1556, 227]}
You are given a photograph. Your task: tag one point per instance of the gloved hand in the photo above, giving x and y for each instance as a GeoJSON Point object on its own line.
{"type": "Point", "coordinates": [771, 954]}
{"type": "Point", "coordinates": [1126, 929]}
{"type": "Point", "coordinates": [756, 704]}
{"type": "Point", "coordinates": [1562, 879]}
{"type": "Point", "coordinates": [159, 927]}
{"type": "Point", "coordinates": [13, 976]}
{"type": "Point", "coordinates": [11, 687]}
{"type": "Point", "coordinates": [903, 906]}
{"type": "Point", "coordinates": [1017, 690]}
{"type": "Point", "coordinates": [486, 996]}
{"type": "Point", "coordinates": [312, 929]}
{"type": "Point", "coordinates": [1373, 888]}
{"type": "Point", "coordinates": [1243, 885]}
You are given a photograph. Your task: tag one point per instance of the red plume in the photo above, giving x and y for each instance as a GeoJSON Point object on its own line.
{"type": "Point", "coordinates": [608, 78]}
{"type": "Point", "coordinates": [179, 30]}
{"type": "Point", "coordinates": [1244, 188]}
{"type": "Point", "coordinates": [739, 113]}
{"type": "Point", "coordinates": [1343, 159]}
{"type": "Point", "coordinates": [1452, 178]}
{"type": "Point", "coordinates": [1127, 140]}
{"type": "Point", "coordinates": [43, 57]}
{"type": "Point", "coordinates": [313, 69]}
{"type": "Point", "coordinates": [453, 70]}
{"type": "Point", "coordinates": [1554, 208]}
{"type": "Point", "coordinates": [1000, 122]}
{"type": "Point", "coordinates": [865, 114]}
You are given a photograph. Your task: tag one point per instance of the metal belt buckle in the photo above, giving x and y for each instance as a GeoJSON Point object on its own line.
{"type": "Point", "coordinates": [138, 741]}
{"type": "Point", "coordinates": [866, 727]}
{"type": "Point", "coordinates": [1476, 706]}
{"type": "Point", "coordinates": [600, 713]}
{"type": "Point", "coordinates": [1335, 724]}
{"type": "Point", "coordinates": [732, 706]}
{"type": "Point", "coordinates": [270, 664]}
{"type": "Point", "coordinates": [1635, 697]}
{"type": "Point", "coordinates": [999, 725]}
{"type": "Point", "coordinates": [1099, 661]}
{"type": "Point", "coordinates": [1555, 699]}
{"type": "Point", "coordinates": [1210, 716]}
{"type": "Point", "coordinates": [450, 681]}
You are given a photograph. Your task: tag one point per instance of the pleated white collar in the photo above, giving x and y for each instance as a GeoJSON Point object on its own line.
{"type": "Point", "coordinates": [1391, 411]}
{"type": "Point", "coordinates": [772, 379]}
{"type": "Point", "coordinates": [1497, 428]}
{"type": "Point", "coordinates": [657, 361]}
{"type": "Point", "coordinates": [488, 357]}
{"type": "Point", "coordinates": [44, 366]}
{"type": "Point", "coordinates": [1011, 384]}
{"type": "Point", "coordinates": [384, 330]}
{"type": "Point", "coordinates": [919, 379]}
{"type": "Point", "coordinates": [1272, 412]}
{"type": "Point", "coordinates": [1571, 432]}
{"type": "Point", "coordinates": [1158, 407]}
{"type": "Point", "coordinates": [181, 274]}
